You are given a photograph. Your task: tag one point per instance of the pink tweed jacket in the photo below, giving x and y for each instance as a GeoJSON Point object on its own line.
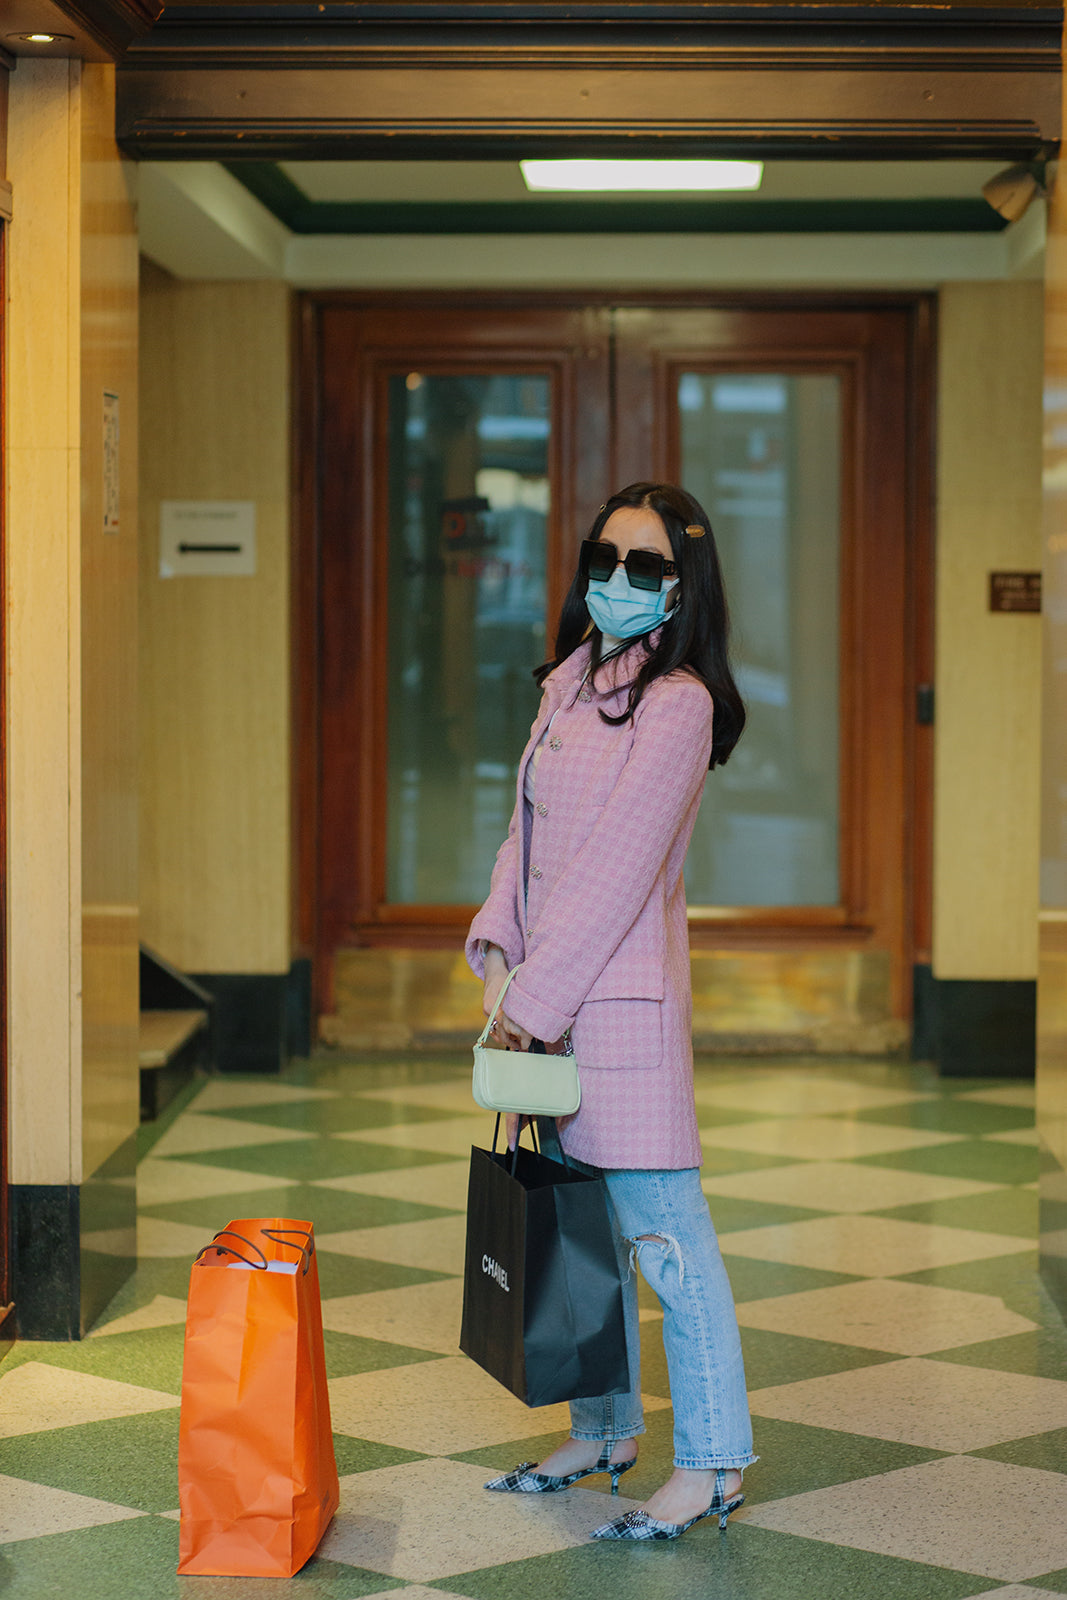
{"type": "Point", "coordinates": [603, 946]}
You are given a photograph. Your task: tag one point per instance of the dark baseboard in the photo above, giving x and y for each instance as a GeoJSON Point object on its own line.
{"type": "Point", "coordinates": [46, 1260]}
{"type": "Point", "coordinates": [259, 1019]}
{"type": "Point", "coordinates": [298, 1019]}
{"type": "Point", "coordinates": [59, 1284]}
{"type": "Point", "coordinates": [975, 1027]}
{"type": "Point", "coordinates": [248, 1019]}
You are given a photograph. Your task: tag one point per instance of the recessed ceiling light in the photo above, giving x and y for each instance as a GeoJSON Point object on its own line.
{"type": "Point", "coordinates": [641, 176]}
{"type": "Point", "coordinates": [41, 38]}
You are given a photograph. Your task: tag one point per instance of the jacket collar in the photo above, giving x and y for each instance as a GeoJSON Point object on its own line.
{"type": "Point", "coordinates": [613, 678]}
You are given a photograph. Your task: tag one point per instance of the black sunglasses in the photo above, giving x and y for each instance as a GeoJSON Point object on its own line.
{"type": "Point", "coordinates": [645, 569]}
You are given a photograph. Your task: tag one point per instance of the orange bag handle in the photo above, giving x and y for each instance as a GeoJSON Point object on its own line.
{"type": "Point", "coordinates": [306, 1250]}
{"type": "Point", "coordinates": [276, 1235]}
{"type": "Point", "coordinates": [226, 1249]}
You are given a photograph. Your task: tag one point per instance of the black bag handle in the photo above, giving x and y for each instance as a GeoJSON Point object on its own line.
{"type": "Point", "coordinates": [532, 1125]}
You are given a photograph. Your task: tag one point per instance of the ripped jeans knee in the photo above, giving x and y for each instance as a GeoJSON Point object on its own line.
{"type": "Point", "coordinates": [666, 1241]}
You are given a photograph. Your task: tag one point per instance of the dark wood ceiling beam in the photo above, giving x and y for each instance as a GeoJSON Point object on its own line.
{"type": "Point", "coordinates": [506, 108]}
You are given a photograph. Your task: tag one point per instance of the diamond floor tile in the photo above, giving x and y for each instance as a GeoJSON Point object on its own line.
{"type": "Point", "coordinates": [823, 1138]}
{"type": "Point", "coordinates": [192, 1132]}
{"type": "Point", "coordinates": [413, 1591]}
{"type": "Point", "coordinates": [126, 1461]}
{"type": "Point", "coordinates": [440, 1408]}
{"type": "Point", "coordinates": [939, 1405]}
{"type": "Point", "coordinates": [438, 1244]}
{"type": "Point", "coordinates": [948, 1513]}
{"type": "Point", "coordinates": [892, 1317]}
{"type": "Point", "coordinates": [1018, 1591]}
{"type": "Point", "coordinates": [453, 1137]}
{"type": "Point", "coordinates": [415, 1521]}
{"type": "Point", "coordinates": [29, 1510]}
{"type": "Point", "coordinates": [877, 1314]}
{"type": "Point", "coordinates": [425, 1316]}
{"type": "Point", "coordinates": [1008, 1094]}
{"type": "Point", "coordinates": [840, 1186]}
{"type": "Point", "coordinates": [38, 1396]}
{"type": "Point", "coordinates": [454, 1094]}
{"type": "Point", "coordinates": [863, 1244]}
{"type": "Point", "coordinates": [161, 1183]}
{"type": "Point", "coordinates": [443, 1184]}
{"type": "Point", "coordinates": [780, 1094]}
{"type": "Point", "coordinates": [155, 1237]}
{"type": "Point", "coordinates": [162, 1311]}
{"type": "Point", "coordinates": [231, 1094]}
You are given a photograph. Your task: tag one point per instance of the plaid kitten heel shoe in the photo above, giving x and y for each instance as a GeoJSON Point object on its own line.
{"type": "Point", "coordinates": [639, 1525]}
{"type": "Point", "coordinates": [524, 1480]}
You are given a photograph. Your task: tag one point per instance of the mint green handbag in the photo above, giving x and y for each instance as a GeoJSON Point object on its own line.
{"type": "Point", "coordinates": [521, 1080]}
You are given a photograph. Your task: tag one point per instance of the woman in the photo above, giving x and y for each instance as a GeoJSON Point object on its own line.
{"type": "Point", "coordinates": [587, 901]}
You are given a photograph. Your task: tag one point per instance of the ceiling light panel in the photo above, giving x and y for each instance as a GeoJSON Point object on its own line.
{"type": "Point", "coordinates": [641, 177]}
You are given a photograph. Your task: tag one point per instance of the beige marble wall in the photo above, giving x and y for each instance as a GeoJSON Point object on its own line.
{"type": "Point", "coordinates": [43, 539]}
{"type": "Point", "coordinates": [71, 323]}
{"type": "Point", "coordinates": [988, 672]}
{"type": "Point", "coordinates": [108, 699]}
{"type": "Point", "coordinates": [1052, 972]}
{"type": "Point", "coordinates": [214, 656]}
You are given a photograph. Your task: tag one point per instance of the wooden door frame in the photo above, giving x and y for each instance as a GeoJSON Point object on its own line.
{"type": "Point", "coordinates": [5, 1084]}
{"type": "Point", "coordinates": [306, 598]}
{"type": "Point", "coordinates": [580, 356]}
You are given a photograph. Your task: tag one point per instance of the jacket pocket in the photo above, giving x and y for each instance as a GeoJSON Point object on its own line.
{"type": "Point", "coordinates": [619, 1033]}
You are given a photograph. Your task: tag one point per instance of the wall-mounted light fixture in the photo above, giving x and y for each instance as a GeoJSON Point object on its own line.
{"type": "Point", "coordinates": [641, 177]}
{"type": "Point", "coordinates": [1011, 192]}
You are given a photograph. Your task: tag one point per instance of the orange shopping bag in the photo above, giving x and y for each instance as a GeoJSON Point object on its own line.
{"type": "Point", "coordinates": [256, 1472]}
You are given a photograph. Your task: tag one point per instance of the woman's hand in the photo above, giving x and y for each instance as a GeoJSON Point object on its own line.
{"type": "Point", "coordinates": [514, 1122]}
{"type": "Point", "coordinates": [505, 1034]}
{"type": "Point", "coordinates": [509, 1035]}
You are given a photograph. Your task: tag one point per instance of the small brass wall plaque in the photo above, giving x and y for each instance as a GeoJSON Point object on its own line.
{"type": "Point", "coordinates": [1015, 591]}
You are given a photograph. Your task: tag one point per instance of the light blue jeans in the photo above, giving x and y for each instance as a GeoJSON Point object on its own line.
{"type": "Point", "coordinates": [682, 1263]}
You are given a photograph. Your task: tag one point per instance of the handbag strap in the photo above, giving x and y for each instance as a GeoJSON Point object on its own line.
{"type": "Point", "coordinates": [491, 1018]}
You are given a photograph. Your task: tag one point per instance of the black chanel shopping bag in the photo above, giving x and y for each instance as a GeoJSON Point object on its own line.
{"type": "Point", "coordinates": [542, 1300]}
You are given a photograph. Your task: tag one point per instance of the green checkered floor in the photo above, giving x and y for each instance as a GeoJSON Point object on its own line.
{"type": "Point", "coordinates": [907, 1372]}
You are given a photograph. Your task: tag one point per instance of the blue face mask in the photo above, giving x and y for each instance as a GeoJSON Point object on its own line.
{"type": "Point", "coordinates": [624, 612]}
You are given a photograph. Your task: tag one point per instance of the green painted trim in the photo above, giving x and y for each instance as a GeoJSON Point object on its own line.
{"type": "Point", "coordinates": [289, 203]}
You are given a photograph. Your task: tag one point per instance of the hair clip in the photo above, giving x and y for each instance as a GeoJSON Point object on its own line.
{"type": "Point", "coordinates": [695, 531]}
{"type": "Point", "coordinates": [604, 507]}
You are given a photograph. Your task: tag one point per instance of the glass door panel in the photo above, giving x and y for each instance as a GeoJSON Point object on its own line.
{"type": "Point", "coordinates": [761, 451]}
{"type": "Point", "coordinates": [469, 503]}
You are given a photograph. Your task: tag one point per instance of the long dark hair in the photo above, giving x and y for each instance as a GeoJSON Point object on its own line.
{"type": "Point", "coordinates": [697, 637]}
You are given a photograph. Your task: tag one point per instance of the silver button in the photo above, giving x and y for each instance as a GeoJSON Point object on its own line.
{"type": "Point", "coordinates": [555, 743]}
{"type": "Point", "coordinates": [542, 809]}
{"type": "Point", "coordinates": [535, 872]}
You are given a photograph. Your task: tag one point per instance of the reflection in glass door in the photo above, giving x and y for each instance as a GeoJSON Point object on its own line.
{"type": "Point", "coordinates": [461, 449]}
{"type": "Point", "coordinates": [761, 451]}
{"type": "Point", "coordinates": [468, 502]}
